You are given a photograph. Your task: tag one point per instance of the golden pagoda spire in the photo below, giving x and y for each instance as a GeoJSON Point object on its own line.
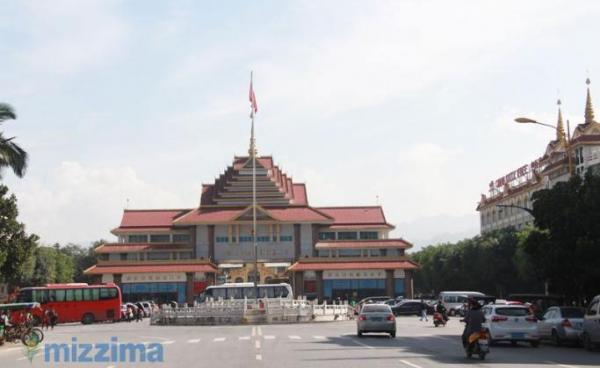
{"type": "Point", "coordinates": [589, 110]}
{"type": "Point", "coordinates": [560, 129]}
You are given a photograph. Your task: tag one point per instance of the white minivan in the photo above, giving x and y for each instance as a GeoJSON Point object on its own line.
{"type": "Point", "coordinates": [453, 300]}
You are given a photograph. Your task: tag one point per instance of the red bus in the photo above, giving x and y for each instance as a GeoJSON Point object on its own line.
{"type": "Point", "coordinates": [76, 302]}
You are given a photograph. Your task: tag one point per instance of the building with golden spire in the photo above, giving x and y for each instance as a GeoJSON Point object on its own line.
{"type": "Point", "coordinates": [508, 201]}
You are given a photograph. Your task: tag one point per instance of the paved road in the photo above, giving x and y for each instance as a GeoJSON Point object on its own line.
{"type": "Point", "coordinates": [334, 344]}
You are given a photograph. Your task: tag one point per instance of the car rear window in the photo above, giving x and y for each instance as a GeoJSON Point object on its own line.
{"type": "Point", "coordinates": [512, 312]}
{"type": "Point", "coordinates": [380, 308]}
{"type": "Point", "coordinates": [572, 312]}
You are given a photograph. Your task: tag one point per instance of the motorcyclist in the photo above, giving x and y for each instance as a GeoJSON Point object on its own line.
{"type": "Point", "coordinates": [441, 309]}
{"type": "Point", "coordinates": [474, 319]}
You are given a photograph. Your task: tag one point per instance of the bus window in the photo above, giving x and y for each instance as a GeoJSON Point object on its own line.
{"type": "Point", "coordinates": [40, 296]}
{"type": "Point", "coordinates": [112, 293]}
{"type": "Point", "coordinates": [25, 296]}
{"type": "Point", "coordinates": [219, 293]}
{"type": "Point", "coordinates": [235, 293]}
{"type": "Point", "coordinates": [60, 295]}
{"type": "Point", "coordinates": [281, 292]}
{"type": "Point", "coordinates": [266, 292]}
{"type": "Point", "coordinates": [87, 294]}
{"type": "Point", "coordinates": [249, 292]}
{"type": "Point", "coordinates": [69, 295]}
{"type": "Point", "coordinates": [78, 295]}
{"type": "Point", "coordinates": [95, 294]}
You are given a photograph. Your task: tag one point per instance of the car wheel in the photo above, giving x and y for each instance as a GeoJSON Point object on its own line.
{"type": "Point", "coordinates": [535, 343]}
{"type": "Point", "coordinates": [481, 356]}
{"type": "Point", "coordinates": [452, 313]}
{"type": "Point", "coordinates": [393, 335]}
{"type": "Point", "coordinates": [360, 334]}
{"type": "Point", "coordinates": [555, 338]}
{"type": "Point", "coordinates": [587, 342]}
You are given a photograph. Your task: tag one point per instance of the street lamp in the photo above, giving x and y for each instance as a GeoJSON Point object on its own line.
{"type": "Point", "coordinates": [523, 120]}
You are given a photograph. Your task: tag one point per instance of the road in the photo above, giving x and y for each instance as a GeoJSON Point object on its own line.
{"type": "Point", "coordinates": [332, 344]}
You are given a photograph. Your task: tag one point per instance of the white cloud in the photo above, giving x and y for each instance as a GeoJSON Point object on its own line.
{"type": "Point", "coordinates": [77, 203]}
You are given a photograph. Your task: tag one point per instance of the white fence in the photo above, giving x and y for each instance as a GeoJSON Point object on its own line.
{"type": "Point", "coordinates": [265, 311]}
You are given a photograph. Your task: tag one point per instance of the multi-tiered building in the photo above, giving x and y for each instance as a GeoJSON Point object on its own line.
{"type": "Point", "coordinates": [508, 203]}
{"type": "Point", "coordinates": [324, 252]}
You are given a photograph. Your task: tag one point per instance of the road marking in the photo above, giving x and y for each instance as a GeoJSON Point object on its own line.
{"type": "Point", "coordinates": [410, 364]}
{"type": "Point", "coordinates": [22, 358]}
{"type": "Point", "coordinates": [9, 349]}
{"type": "Point", "coordinates": [258, 357]}
{"type": "Point", "coordinates": [361, 344]}
{"type": "Point", "coordinates": [111, 366]}
{"type": "Point", "coordinates": [257, 344]}
{"type": "Point", "coordinates": [319, 337]}
{"type": "Point", "coordinates": [168, 342]}
{"type": "Point", "coordinates": [561, 365]}
{"type": "Point", "coordinates": [294, 337]}
{"type": "Point", "coordinates": [269, 337]}
{"type": "Point", "coordinates": [259, 331]}
{"type": "Point", "coordinates": [253, 331]}
{"type": "Point", "coordinates": [244, 338]}
{"type": "Point", "coordinates": [193, 341]}
{"type": "Point", "coordinates": [218, 339]}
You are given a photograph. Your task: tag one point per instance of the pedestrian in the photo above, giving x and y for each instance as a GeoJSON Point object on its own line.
{"type": "Point", "coordinates": [423, 311]}
{"type": "Point", "coordinates": [139, 315]}
{"type": "Point", "coordinates": [53, 318]}
{"type": "Point", "coordinates": [129, 313]}
{"type": "Point", "coordinates": [46, 319]}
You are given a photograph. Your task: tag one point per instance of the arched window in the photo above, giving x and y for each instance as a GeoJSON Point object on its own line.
{"type": "Point", "coordinates": [239, 279]}
{"type": "Point", "coordinates": [268, 279]}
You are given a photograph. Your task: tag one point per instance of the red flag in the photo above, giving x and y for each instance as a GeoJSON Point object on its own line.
{"type": "Point", "coordinates": [253, 104]}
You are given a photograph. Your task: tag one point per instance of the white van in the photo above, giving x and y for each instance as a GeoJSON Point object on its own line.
{"type": "Point", "coordinates": [453, 300]}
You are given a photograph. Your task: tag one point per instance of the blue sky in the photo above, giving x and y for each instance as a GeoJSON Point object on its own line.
{"type": "Point", "coordinates": [410, 102]}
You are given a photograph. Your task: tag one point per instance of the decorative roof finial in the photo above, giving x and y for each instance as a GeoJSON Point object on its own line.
{"type": "Point", "coordinates": [589, 109]}
{"type": "Point", "coordinates": [560, 129]}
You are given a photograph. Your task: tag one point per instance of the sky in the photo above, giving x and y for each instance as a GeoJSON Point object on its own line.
{"type": "Point", "coordinates": [407, 104]}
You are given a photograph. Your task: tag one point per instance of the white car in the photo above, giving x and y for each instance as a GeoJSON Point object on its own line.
{"type": "Point", "coordinates": [512, 323]}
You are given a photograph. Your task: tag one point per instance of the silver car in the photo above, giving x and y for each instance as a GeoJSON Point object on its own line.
{"type": "Point", "coordinates": [561, 324]}
{"type": "Point", "coordinates": [376, 318]}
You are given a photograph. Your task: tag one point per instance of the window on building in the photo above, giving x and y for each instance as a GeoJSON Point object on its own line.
{"type": "Point", "coordinates": [328, 235]}
{"type": "Point", "coordinates": [263, 239]}
{"type": "Point", "coordinates": [185, 255]}
{"type": "Point", "coordinates": [181, 238]}
{"type": "Point", "coordinates": [375, 252]}
{"type": "Point", "coordinates": [349, 252]}
{"type": "Point", "coordinates": [138, 238]}
{"type": "Point", "coordinates": [347, 235]}
{"type": "Point", "coordinates": [123, 256]}
{"type": "Point", "coordinates": [222, 239]}
{"type": "Point", "coordinates": [368, 235]}
{"type": "Point", "coordinates": [245, 238]}
{"type": "Point", "coordinates": [160, 238]}
{"type": "Point", "coordinates": [159, 256]}
{"type": "Point", "coordinates": [324, 253]}
{"type": "Point", "coordinates": [383, 252]}
{"type": "Point", "coordinates": [285, 238]}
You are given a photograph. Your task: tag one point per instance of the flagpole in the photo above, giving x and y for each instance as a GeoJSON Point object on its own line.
{"type": "Point", "coordinates": [253, 155]}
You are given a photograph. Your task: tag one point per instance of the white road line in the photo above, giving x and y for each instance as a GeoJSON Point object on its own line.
{"type": "Point", "coordinates": [294, 337]}
{"type": "Point", "coordinates": [22, 358]}
{"type": "Point", "coordinates": [168, 342]}
{"type": "Point", "coordinates": [257, 344]}
{"type": "Point", "coordinates": [410, 364]}
{"type": "Point", "coordinates": [244, 338]}
{"type": "Point", "coordinates": [561, 365]}
{"type": "Point", "coordinates": [361, 344]}
{"type": "Point", "coordinates": [269, 337]}
{"type": "Point", "coordinates": [258, 357]}
{"type": "Point", "coordinates": [111, 366]}
{"type": "Point", "coordinates": [193, 341]}
{"type": "Point", "coordinates": [253, 331]}
{"type": "Point", "coordinates": [9, 349]}
{"type": "Point", "coordinates": [218, 339]}
{"type": "Point", "coordinates": [319, 337]}
{"type": "Point", "coordinates": [259, 331]}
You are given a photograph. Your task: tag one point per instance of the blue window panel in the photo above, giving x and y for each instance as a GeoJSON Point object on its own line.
{"type": "Point", "coordinates": [327, 288]}
{"type": "Point", "coordinates": [399, 287]}
{"type": "Point", "coordinates": [126, 288]}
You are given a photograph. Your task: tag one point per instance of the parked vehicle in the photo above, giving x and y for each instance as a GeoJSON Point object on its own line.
{"type": "Point", "coordinates": [407, 308]}
{"type": "Point", "coordinates": [591, 324]}
{"type": "Point", "coordinates": [454, 300]}
{"type": "Point", "coordinates": [376, 318]}
{"type": "Point", "coordinates": [542, 301]}
{"type": "Point", "coordinates": [560, 324]}
{"type": "Point", "coordinates": [146, 309]}
{"type": "Point", "coordinates": [511, 323]}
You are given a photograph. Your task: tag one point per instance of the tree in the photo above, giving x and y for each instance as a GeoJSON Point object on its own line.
{"type": "Point", "coordinates": [11, 154]}
{"type": "Point", "coordinates": [566, 247]}
{"type": "Point", "coordinates": [16, 247]}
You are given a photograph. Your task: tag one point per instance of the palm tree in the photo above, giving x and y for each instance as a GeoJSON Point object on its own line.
{"type": "Point", "coordinates": [11, 155]}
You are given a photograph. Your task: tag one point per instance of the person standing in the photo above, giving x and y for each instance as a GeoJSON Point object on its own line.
{"type": "Point", "coordinates": [46, 319]}
{"type": "Point", "coordinates": [423, 311]}
{"type": "Point", "coordinates": [53, 318]}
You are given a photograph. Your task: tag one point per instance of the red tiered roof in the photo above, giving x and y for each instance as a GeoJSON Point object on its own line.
{"type": "Point", "coordinates": [285, 214]}
{"type": "Point", "coordinates": [147, 268]}
{"type": "Point", "coordinates": [364, 264]}
{"type": "Point", "coordinates": [357, 215]}
{"type": "Point", "coordinates": [150, 218]}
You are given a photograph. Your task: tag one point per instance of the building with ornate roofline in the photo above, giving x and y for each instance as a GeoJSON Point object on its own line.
{"type": "Point", "coordinates": [324, 252]}
{"type": "Point", "coordinates": [508, 200]}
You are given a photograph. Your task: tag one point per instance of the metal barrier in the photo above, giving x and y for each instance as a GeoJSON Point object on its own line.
{"type": "Point", "coordinates": [244, 311]}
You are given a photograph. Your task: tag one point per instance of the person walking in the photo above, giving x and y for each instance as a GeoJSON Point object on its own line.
{"type": "Point", "coordinates": [53, 318]}
{"type": "Point", "coordinates": [46, 319]}
{"type": "Point", "coordinates": [423, 311]}
{"type": "Point", "coordinates": [139, 315]}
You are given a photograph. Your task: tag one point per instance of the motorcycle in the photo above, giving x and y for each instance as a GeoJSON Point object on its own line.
{"type": "Point", "coordinates": [478, 344]}
{"type": "Point", "coordinates": [439, 319]}
{"type": "Point", "coordinates": [26, 335]}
